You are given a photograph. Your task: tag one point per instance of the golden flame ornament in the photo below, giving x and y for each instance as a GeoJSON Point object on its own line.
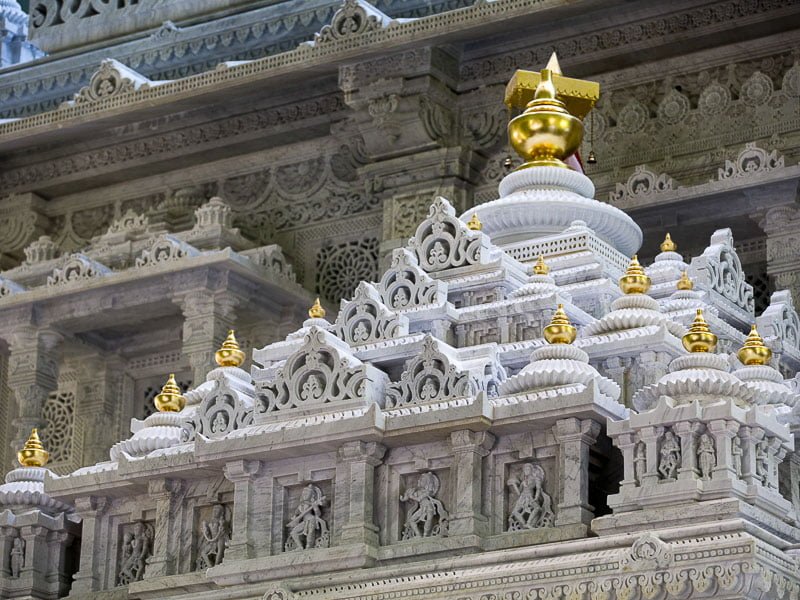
{"type": "Point", "coordinates": [316, 311]}
{"type": "Point", "coordinates": [560, 330]}
{"type": "Point", "coordinates": [541, 268]}
{"type": "Point", "coordinates": [635, 281]}
{"type": "Point", "coordinates": [684, 283]}
{"type": "Point", "coordinates": [229, 354]}
{"type": "Point", "coordinates": [474, 223]}
{"type": "Point", "coordinates": [33, 453]}
{"type": "Point", "coordinates": [668, 245]}
{"type": "Point", "coordinates": [699, 337]}
{"type": "Point", "coordinates": [754, 351]}
{"type": "Point", "coordinates": [170, 399]}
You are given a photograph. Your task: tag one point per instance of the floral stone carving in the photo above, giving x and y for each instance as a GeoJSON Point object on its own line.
{"type": "Point", "coordinates": [165, 248]}
{"type": "Point", "coordinates": [642, 183]}
{"type": "Point", "coordinates": [77, 268]}
{"type": "Point", "coordinates": [404, 285]}
{"type": "Point", "coordinates": [111, 79]}
{"type": "Point", "coordinates": [751, 160]}
{"type": "Point", "coordinates": [719, 267]}
{"type": "Point", "coordinates": [426, 515]}
{"type": "Point", "coordinates": [533, 507]}
{"type": "Point", "coordinates": [366, 319]}
{"type": "Point", "coordinates": [353, 19]}
{"type": "Point", "coordinates": [307, 528]}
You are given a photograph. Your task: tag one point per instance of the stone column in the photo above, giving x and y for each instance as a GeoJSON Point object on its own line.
{"type": "Point", "coordinates": [355, 489]}
{"type": "Point", "coordinates": [241, 473]}
{"type": "Point", "coordinates": [575, 438]}
{"type": "Point", "coordinates": [7, 536]}
{"type": "Point", "coordinates": [32, 375]}
{"type": "Point", "coordinates": [99, 390]}
{"type": "Point", "coordinates": [651, 436]}
{"type": "Point", "coordinates": [91, 510]}
{"type": "Point", "coordinates": [208, 315]}
{"type": "Point", "coordinates": [627, 445]}
{"type": "Point", "coordinates": [688, 434]}
{"type": "Point", "coordinates": [781, 225]}
{"type": "Point", "coordinates": [794, 476]}
{"type": "Point", "coordinates": [469, 449]}
{"type": "Point", "coordinates": [723, 433]}
{"type": "Point", "coordinates": [167, 542]}
{"type": "Point", "coordinates": [750, 437]}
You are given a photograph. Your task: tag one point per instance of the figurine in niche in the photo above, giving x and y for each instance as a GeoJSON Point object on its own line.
{"type": "Point", "coordinates": [762, 461]}
{"type": "Point", "coordinates": [307, 528]}
{"type": "Point", "coordinates": [400, 298]}
{"type": "Point", "coordinates": [426, 516]}
{"type": "Point", "coordinates": [135, 554]}
{"type": "Point", "coordinates": [639, 462]}
{"type": "Point", "coordinates": [17, 557]}
{"type": "Point", "coordinates": [216, 535]}
{"type": "Point", "coordinates": [220, 423]}
{"type": "Point", "coordinates": [360, 332]}
{"type": "Point", "coordinates": [533, 508]}
{"type": "Point", "coordinates": [670, 457]}
{"type": "Point", "coordinates": [706, 456]}
{"type": "Point", "coordinates": [736, 451]}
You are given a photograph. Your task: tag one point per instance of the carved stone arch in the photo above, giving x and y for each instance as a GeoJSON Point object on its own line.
{"type": "Point", "coordinates": [165, 248]}
{"type": "Point", "coordinates": [751, 160]}
{"type": "Point", "coordinates": [322, 375]}
{"type": "Point", "coordinates": [222, 411]}
{"type": "Point", "coordinates": [111, 79]}
{"type": "Point", "coordinates": [720, 270]}
{"type": "Point", "coordinates": [432, 376]}
{"type": "Point", "coordinates": [442, 241]}
{"type": "Point", "coordinates": [366, 318]}
{"type": "Point", "coordinates": [404, 285]}
{"type": "Point", "coordinates": [77, 267]}
{"type": "Point", "coordinates": [643, 183]}
{"type": "Point", "coordinates": [780, 319]}
{"type": "Point", "coordinates": [353, 19]}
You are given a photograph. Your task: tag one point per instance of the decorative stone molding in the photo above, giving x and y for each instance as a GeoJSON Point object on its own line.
{"type": "Point", "coordinates": [77, 267]}
{"type": "Point", "coordinates": [273, 260]}
{"type": "Point", "coordinates": [366, 319]}
{"type": "Point", "coordinates": [226, 406]}
{"type": "Point", "coordinates": [164, 249]}
{"type": "Point", "coordinates": [110, 80]}
{"type": "Point", "coordinates": [751, 160]}
{"type": "Point", "coordinates": [780, 320]}
{"type": "Point", "coordinates": [405, 286]}
{"type": "Point", "coordinates": [354, 19]}
{"type": "Point", "coordinates": [642, 183]}
{"type": "Point", "coordinates": [41, 250]}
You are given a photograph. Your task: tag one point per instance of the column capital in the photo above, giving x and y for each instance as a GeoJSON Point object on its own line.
{"type": "Point", "coordinates": [92, 505]}
{"type": "Point", "coordinates": [241, 470]}
{"type": "Point", "coordinates": [466, 440]}
{"type": "Point", "coordinates": [371, 452]}
{"type": "Point", "coordinates": [572, 428]}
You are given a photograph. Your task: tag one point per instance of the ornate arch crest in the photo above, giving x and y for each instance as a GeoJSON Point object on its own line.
{"type": "Point", "coordinates": [353, 19]}
{"type": "Point", "coordinates": [434, 375]}
{"type": "Point", "coordinates": [780, 320]}
{"type": "Point", "coordinates": [443, 242]}
{"type": "Point", "coordinates": [751, 160]}
{"type": "Point", "coordinates": [642, 183]}
{"type": "Point", "coordinates": [404, 285]}
{"type": "Point", "coordinates": [223, 410]}
{"type": "Point", "coordinates": [321, 376]}
{"type": "Point", "coordinates": [111, 79]}
{"type": "Point", "coordinates": [77, 267]}
{"type": "Point", "coordinates": [165, 248]}
{"type": "Point", "coordinates": [720, 269]}
{"type": "Point", "coordinates": [366, 319]}
{"type": "Point", "coordinates": [272, 258]}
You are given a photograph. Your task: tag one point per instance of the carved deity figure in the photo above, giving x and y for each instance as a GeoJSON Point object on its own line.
{"type": "Point", "coordinates": [533, 507]}
{"type": "Point", "coordinates": [426, 515]}
{"type": "Point", "coordinates": [736, 451]}
{"type": "Point", "coordinates": [216, 534]}
{"type": "Point", "coordinates": [706, 456]}
{"type": "Point", "coordinates": [762, 461]}
{"type": "Point", "coordinates": [670, 456]}
{"type": "Point", "coordinates": [17, 557]}
{"type": "Point", "coordinates": [307, 527]}
{"type": "Point", "coordinates": [639, 462]}
{"type": "Point", "coordinates": [220, 423]}
{"type": "Point", "coordinates": [136, 549]}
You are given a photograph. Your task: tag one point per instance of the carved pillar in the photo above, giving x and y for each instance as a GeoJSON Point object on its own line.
{"type": "Point", "coordinates": [651, 436]}
{"type": "Point", "coordinates": [99, 390]}
{"type": "Point", "coordinates": [469, 450]}
{"type": "Point", "coordinates": [575, 438]}
{"type": "Point", "coordinates": [208, 316]}
{"type": "Point", "coordinates": [32, 375]}
{"type": "Point", "coordinates": [794, 476]}
{"type": "Point", "coordinates": [627, 445]}
{"type": "Point", "coordinates": [91, 510]}
{"type": "Point", "coordinates": [166, 541]}
{"type": "Point", "coordinates": [723, 433]}
{"type": "Point", "coordinates": [355, 489]}
{"type": "Point", "coordinates": [750, 437]}
{"type": "Point", "coordinates": [688, 434]}
{"type": "Point", "coordinates": [241, 473]}
{"type": "Point", "coordinates": [782, 224]}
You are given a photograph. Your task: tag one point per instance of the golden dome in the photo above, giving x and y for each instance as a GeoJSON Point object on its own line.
{"type": "Point", "coordinates": [33, 453]}
{"type": "Point", "coordinates": [699, 337]}
{"type": "Point", "coordinates": [474, 223]}
{"type": "Point", "coordinates": [560, 330]}
{"type": "Point", "coordinates": [754, 351]}
{"type": "Point", "coordinates": [684, 283]}
{"type": "Point", "coordinates": [170, 399]}
{"type": "Point", "coordinates": [229, 354]}
{"type": "Point", "coordinates": [316, 311]}
{"type": "Point", "coordinates": [541, 268]}
{"type": "Point", "coordinates": [668, 245]}
{"type": "Point", "coordinates": [634, 281]}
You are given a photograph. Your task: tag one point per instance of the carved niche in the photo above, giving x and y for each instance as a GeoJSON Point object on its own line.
{"type": "Point", "coordinates": [213, 537]}
{"type": "Point", "coordinates": [226, 407]}
{"type": "Point", "coordinates": [136, 546]}
{"type": "Point", "coordinates": [425, 514]}
{"type": "Point", "coordinates": [404, 285]}
{"type": "Point", "coordinates": [532, 507]}
{"type": "Point", "coordinates": [308, 526]}
{"type": "Point", "coordinates": [366, 319]}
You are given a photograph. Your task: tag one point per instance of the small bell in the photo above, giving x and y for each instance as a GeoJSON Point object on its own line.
{"type": "Point", "coordinates": [591, 159]}
{"type": "Point", "coordinates": [508, 163]}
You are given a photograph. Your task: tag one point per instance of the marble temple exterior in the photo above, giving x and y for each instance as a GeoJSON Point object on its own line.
{"type": "Point", "coordinates": [313, 300]}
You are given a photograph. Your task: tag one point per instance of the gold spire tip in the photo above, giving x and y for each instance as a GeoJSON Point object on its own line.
{"type": "Point", "coordinates": [33, 453]}
{"type": "Point", "coordinates": [316, 311]}
{"type": "Point", "coordinates": [754, 351]}
{"type": "Point", "coordinates": [684, 283]}
{"type": "Point", "coordinates": [635, 281]}
{"type": "Point", "coordinates": [668, 245]}
{"type": "Point", "coordinates": [560, 330]}
{"type": "Point", "coordinates": [552, 64]}
{"type": "Point", "coordinates": [699, 338]}
{"type": "Point", "coordinates": [474, 223]}
{"type": "Point", "coordinates": [229, 354]}
{"type": "Point", "coordinates": [170, 399]}
{"type": "Point", "coordinates": [541, 268]}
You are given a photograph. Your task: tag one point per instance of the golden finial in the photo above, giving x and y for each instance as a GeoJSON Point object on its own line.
{"type": "Point", "coordinates": [699, 337]}
{"type": "Point", "coordinates": [474, 223]}
{"type": "Point", "coordinates": [668, 245]}
{"type": "Point", "coordinates": [684, 283]}
{"type": "Point", "coordinates": [229, 354]}
{"type": "Point", "coordinates": [754, 351]}
{"type": "Point", "coordinates": [560, 330]}
{"type": "Point", "coordinates": [316, 311]}
{"type": "Point", "coordinates": [170, 399]}
{"type": "Point", "coordinates": [541, 268]}
{"type": "Point", "coordinates": [33, 453]}
{"type": "Point", "coordinates": [550, 128]}
{"type": "Point", "coordinates": [635, 281]}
